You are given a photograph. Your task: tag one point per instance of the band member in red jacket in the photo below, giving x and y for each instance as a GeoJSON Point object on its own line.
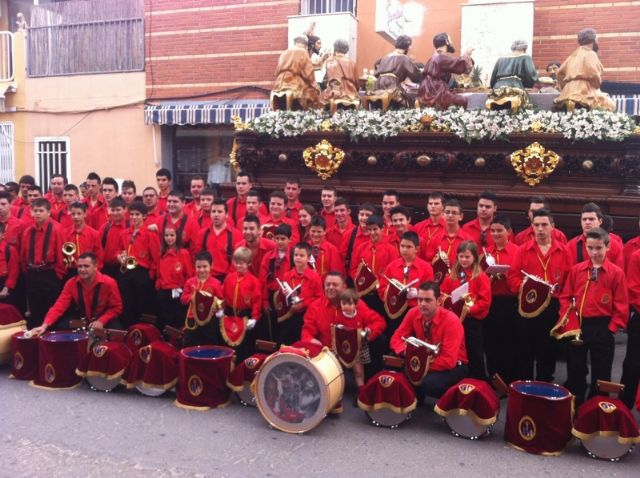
{"type": "Point", "coordinates": [526, 235]}
{"type": "Point", "coordinates": [110, 235]}
{"type": "Point", "coordinates": [9, 269]}
{"type": "Point", "coordinates": [83, 238]}
{"type": "Point", "coordinates": [631, 363]}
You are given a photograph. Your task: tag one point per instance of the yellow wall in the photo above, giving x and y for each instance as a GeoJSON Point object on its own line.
{"type": "Point", "coordinates": [102, 115]}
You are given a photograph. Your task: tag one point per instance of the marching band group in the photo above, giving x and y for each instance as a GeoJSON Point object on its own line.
{"type": "Point", "coordinates": [228, 272]}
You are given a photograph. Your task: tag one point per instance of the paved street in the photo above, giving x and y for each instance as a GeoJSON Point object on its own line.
{"type": "Point", "coordinates": [123, 434]}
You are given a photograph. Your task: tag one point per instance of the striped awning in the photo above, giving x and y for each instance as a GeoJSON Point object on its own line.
{"type": "Point", "coordinates": [629, 104]}
{"type": "Point", "coordinates": [210, 112]}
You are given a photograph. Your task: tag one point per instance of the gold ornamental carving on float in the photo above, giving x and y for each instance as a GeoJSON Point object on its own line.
{"type": "Point", "coordinates": [534, 163]}
{"type": "Point", "coordinates": [323, 158]}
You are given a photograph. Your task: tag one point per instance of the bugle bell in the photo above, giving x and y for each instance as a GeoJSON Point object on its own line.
{"type": "Point", "coordinates": [128, 264]}
{"type": "Point", "coordinates": [69, 250]}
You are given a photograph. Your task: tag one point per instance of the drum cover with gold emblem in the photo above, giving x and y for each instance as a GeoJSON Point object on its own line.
{"type": "Point", "coordinates": [365, 280]}
{"type": "Point", "coordinates": [283, 310]}
{"type": "Point", "coordinates": [346, 343]}
{"type": "Point", "coordinates": [416, 363]}
{"type": "Point", "coordinates": [533, 298]}
{"type": "Point", "coordinates": [233, 329]}
{"type": "Point", "coordinates": [395, 302]}
{"type": "Point", "coordinates": [203, 307]}
{"type": "Point", "coordinates": [440, 270]}
{"type": "Point", "coordinates": [268, 230]}
{"type": "Point", "coordinates": [567, 326]}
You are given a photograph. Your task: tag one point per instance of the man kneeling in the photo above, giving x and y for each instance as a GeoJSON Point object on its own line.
{"type": "Point", "coordinates": [431, 323]}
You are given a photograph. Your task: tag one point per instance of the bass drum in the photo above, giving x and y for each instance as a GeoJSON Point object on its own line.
{"type": "Point", "coordinates": [294, 391]}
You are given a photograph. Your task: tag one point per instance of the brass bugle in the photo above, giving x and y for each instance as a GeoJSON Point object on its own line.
{"type": "Point", "coordinates": [69, 250]}
{"type": "Point", "coordinates": [416, 342]}
{"type": "Point", "coordinates": [129, 264]}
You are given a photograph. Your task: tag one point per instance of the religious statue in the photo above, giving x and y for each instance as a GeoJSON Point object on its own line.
{"type": "Point", "coordinates": [580, 77]}
{"type": "Point", "coordinates": [511, 75]}
{"type": "Point", "coordinates": [341, 78]}
{"type": "Point", "coordinates": [392, 70]}
{"type": "Point", "coordinates": [295, 81]}
{"type": "Point", "coordinates": [434, 89]}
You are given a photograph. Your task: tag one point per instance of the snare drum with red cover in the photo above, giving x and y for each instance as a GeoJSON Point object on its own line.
{"type": "Point", "coordinates": [10, 322]}
{"type": "Point", "coordinates": [24, 356]}
{"type": "Point", "coordinates": [59, 354]}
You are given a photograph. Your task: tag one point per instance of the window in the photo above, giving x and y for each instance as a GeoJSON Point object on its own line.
{"type": "Point", "coordinates": [315, 7]}
{"type": "Point", "coordinates": [52, 156]}
{"type": "Point", "coordinates": [79, 37]}
{"type": "Point", "coordinates": [7, 170]}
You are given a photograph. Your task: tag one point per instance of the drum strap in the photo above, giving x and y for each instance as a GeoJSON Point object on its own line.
{"type": "Point", "coordinates": [105, 234]}
{"type": "Point", "coordinates": [205, 238]}
{"type": "Point", "coordinates": [180, 231]}
{"type": "Point", "coordinates": [94, 301]}
{"type": "Point", "coordinates": [7, 253]}
{"type": "Point", "coordinates": [352, 241]}
{"type": "Point", "coordinates": [234, 210]}
{"type": "Point", "coordinates": [579, 253]}
{"type": "Point", "coordinates": [45, 245]}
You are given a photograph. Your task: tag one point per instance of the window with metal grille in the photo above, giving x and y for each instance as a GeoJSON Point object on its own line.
{"type": "Point", "coordinates": [315, 7]}
{"type": "Point", "coordinates": [7, 167]}
{"type": "Point", "coordinates": [52, 156]}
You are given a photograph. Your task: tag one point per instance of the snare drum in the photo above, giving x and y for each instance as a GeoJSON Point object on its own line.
{"type": "Point", "coordinates": [24, 357]}
{"type": "Point", "coordinates": [606, 428]}
{"type": "Point", "coordinates": [153, 369]}
{"type": "Point", "coordinates": [296, 389]}
{"type": "Point", "coordinates": [59, 354]}
{"type": "Point", "coordinates": [203, 374]}
{"type": "Point", "coordinates": [241, 377]}
{"type": "Point", "coordinates": [10, 322]}
{"type": "Point", "coordinates": [139, 335]}
{"type": "Point", "coordinates": [387, 399]}
{"type": "Point", "coordinates": [104, 365]}
{"type": "Point", "coordinates": [469, 408]}
{"type": "Point", "coordinates": [538, 417]}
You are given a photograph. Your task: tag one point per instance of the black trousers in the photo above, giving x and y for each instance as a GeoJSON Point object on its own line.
{"type": "Point", "coordinates": [475, 347]}
{"type": "Point", "coordinates": [43, 288]}
{"type": "Point", "coordinates": [203, 335]}
{"type": "Point", "coordinates": [631, 364]}
{"type": "Point", "coordinates": [535, 347]}
{"type": "Point", "coordinates": [289, 331]}
{"type": "Point", "coordinates": [112, 270]}
{"type": "Point", "coordinates": [170, 311]}
{"type": "Point", "coordinates": [599, 343]}
{"type": "Point", "coordinates": [499, 333]}
{"type": "Point", "coordinates": [137, 291]}
{"type": "Point", "coordinates": [436, 383]}
{"type": "Point", "coordinates": [11, 298]}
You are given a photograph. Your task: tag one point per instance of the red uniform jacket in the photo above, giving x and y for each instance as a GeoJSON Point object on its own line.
{"type": "Point", "coordinates": [108, 307]}
{"type": "Point", "coordinates": [376, 256]}
{"type": "Point", "coordinates": [420, 270]}
{"type": "Point", "coordinates": [311, 285]}
{"type": "Point", "coordinates": [335, 234]}
{"type": "Point", "coordinates": [474, 230]}
{"type": "Point", "coordinates": [174, 269]}
{"type": "Point", "coordinates": [499, 286]}
{"type": "Point", "coordinates": [629, 248]}
{"type": "Point", "coordinates": [162, 202]}
{"type": "Point", "coordinates": [633, 280]}
{"type": "Point", "coordinates": [22, 212]}
{"type": "Point", "coordinates": [110, 234]}
{"type": "Point", "coordinates": [63, 216]}
{"type": "Point", "coordinates": [273, 267]}
{"type": "Point", "coordinates": [153, 217]}
{"type": "Point", "coordinates": [267, 221]}
{"type": "Point", "coordinates": [237, 210]}
{"type": "Point", "coordinates": [257, 255]}
{"type": "Point", "coordinates": [359, 238]}
{"type": "Point", "coordinates": [48, 256]}
{"type": "Point", "coordinates": [606, 296]}
{"type": "Point", "coordinates": [479, 289]}
{"type": "Point", "coordinates": [187, 226]}
{"type": "Point", "coordinates": [204, 220]}
{"type": "Point", "coordinates": [614, 254]}
{"type": "Point", "coordinates": [211, 285]}
{"type": "Point", "coordinates": [446, 330]}
{"type": "Point", "coordinates": [321, 314]}
{"type": "Point", "coordinates": [86, 239]}
{"type": "Point", "coordinates": [292, 211]}
{"type": "Point", "coordinates": [192, 209]}
{"type": "Point", "coordinates": [144, 246]}
{"type": "Point", "coordinates": [528, 235]}
{"type": "Point", "coordinates": [327, 259]}
{"type": "Point", "coordinates": [448, 245]}
{"type": "Point", "coordinates": [13, 229]}
{"type": "Point", "coordinates": [98, 214]}
{"type": "Point", "coordinates": [220, 246]}
{"type": "Point", "coordinates": [242, 292]}
{"type": "Point", "coordinates": [329, 217]}
{"type": "Point", "coordinates": [9, 264]}
{"type": "Point", "coordinates": [552, 267]}
{"type": "Point", "coordinates": [428, 231]}
{"type": "Point", "coordinates": [56, 204]}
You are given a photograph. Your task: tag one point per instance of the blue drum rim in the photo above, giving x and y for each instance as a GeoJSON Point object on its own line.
{"type": "Point", "coordinates": [530, 385]}
{"type": "Point", "coordinates": [64, 336]}
{"type": "Point", "coordinates": [199, 352]}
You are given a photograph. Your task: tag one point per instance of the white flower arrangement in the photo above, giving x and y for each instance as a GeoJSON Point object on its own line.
{"type": "Point", "coordinates": [468, 125]}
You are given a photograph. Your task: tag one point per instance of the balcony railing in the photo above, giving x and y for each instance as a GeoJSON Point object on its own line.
{"type": "Point", "coordinates": [317, 7]}
{"type": "Point", "coordinates": [6, 56]}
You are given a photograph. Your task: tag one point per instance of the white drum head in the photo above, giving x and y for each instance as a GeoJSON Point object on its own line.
{"type": "Point", "coordinates": [606, 448]}
{"type": "Point", "coordinates": [150, 391]}
{"type": "Point", "coordinates": [387, 418]}
{"type": "Point", "coordinates": [465, 426]}
{"type": "Point", "coordinates": [246, 397]}
{"type": "Point", "coordinates": [103, 384]}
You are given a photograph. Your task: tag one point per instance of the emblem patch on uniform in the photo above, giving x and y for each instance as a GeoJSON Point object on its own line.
{"type": "Point", "coordinates": [607, 407]}
{"type": "Point", "coordinates": [195, 385]}
{"type": "Point", "coordinates": [18, 361]}
{"type": "Point", "coordinates": [49, 373]}
{"type": "Point", "coordinates": [606, 298]}
{"type": "Point", "coordinates": [527, 428]}
{"type": "Point", "coordinates": [466, 388]}
{"type": "Point", "coordinates": [386, 380]}
{"type": "Point", "coordinates": [531, 296]}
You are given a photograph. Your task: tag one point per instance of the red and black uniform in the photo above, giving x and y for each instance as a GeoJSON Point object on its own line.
{"type": "Point", "coordinates": [220, 245]}
{"type": "Point", "coordinates": [57, 203]}
{"type": "Point", "coordinates": [577, 251]}
{"type": "Point", "coordinates": [528, 235]}
{"type": "Point", "coordinates": [242, 298]}
{"type": "Point", "coordinates": [534, 344]}
{"type": "Point", "coordinates": [13, 229]}
{"type": "Point", "coordinates": [450, 365]}
{"type": "Point", "coordinates": [153, 217]}
{"type": "Point", "coordinates": [85, 239]}
{"type": "Point", "coordinates": [208, 334]}
{"type": "Point", "coordinates": [136, 285]}
{"type": "Point", "coordinates": [482, 237]}
{"type": "Point", "coordinates": [329, 217]}
{"type": "Point", "coordinates": [499, 326]}
{"type": "Point", "coordinates": [629, 248]}
{"type": "Point", "coordinates": [310, 289]}
{"type": "Point", "coordinates": [445, 243]}
{"type": "Point", "coordinates": [204, 219]}
{"type": "Point", "coordinates": [257, 254]}
{"type": "Point", "coordinates": [335, 234]}
{"type": "Point", "coordinates": [174, 269]}
{"type": "Point", "coordinates": [291, 212]}
{"type": "Point", "coordinates": [631, 363]}
{"type": "Point", "coordinates": [97, 213]}
{"type": "Point", "coordinates": [428, 230]}
{"type": "Point", "coordinates": [9, 270]}
{"type": "Point", "coordinates": [192, 209]}
{"type": "Point", "coordinates": [237, 210]}
{"type": "Point", "coordinates": [99, 301]}
{"type": "Point", "coordinates": [162, 202]}
{"type": "Point", "coordinates": [327, 259]}
{"type": "Point", "coordinates": [63, 216]}
{"type": "Point", "coordinates": [602, 304]}
{"type": "Point", "coordinates": [185, 225]}
{"type": "Point", "coordinates": [41, 260]}
{"type": "Point", "coordinates": [480, 291]}
{"type": "Point", "coordinates": [268, 225]}
{"type": "Point", "coordinates": [351, 240]}
{"type": "Point", "coordinates": [110, 235]}
{"type": "Point", "coordinates": [22, 212]}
